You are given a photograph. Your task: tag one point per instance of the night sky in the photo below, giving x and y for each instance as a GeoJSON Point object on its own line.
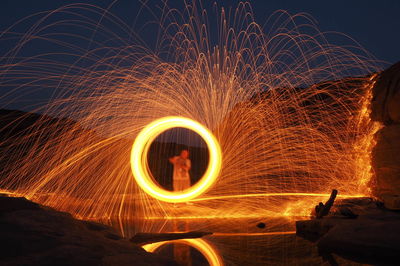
{"type": "Point", "coordinates": [375, 25]}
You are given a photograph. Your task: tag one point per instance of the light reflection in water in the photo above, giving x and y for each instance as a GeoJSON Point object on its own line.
{"type": "Point", "coordinates": [182, 252]}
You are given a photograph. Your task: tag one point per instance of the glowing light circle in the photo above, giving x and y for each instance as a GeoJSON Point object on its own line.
{"type": "Point", "coordinates": [141, 147]}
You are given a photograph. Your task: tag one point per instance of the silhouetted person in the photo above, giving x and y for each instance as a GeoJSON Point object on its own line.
{"type": "Point", "coordinates": [181, 177]}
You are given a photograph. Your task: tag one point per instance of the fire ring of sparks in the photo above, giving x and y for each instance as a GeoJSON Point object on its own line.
{"type": "Point", "coordinates": [199, 244]}
{"type": "Point", "coordinates": [141, 147]}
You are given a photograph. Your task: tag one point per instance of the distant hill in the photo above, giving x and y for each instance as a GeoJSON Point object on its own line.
{"type": "Point", "coordinates": [17, 123]}
{"type": "Point", "coordinates": [21, 132]}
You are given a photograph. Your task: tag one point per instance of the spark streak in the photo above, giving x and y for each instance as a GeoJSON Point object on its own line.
{"type": "Point", "coordinates": [276, 106]}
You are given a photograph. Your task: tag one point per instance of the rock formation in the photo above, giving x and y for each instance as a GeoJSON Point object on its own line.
{"type": "Point", "coordinates": [370, 236]}
{"type": "Point", "coordinates": [385, 105]}
{"type": "Point", "coordinates": [385, 108]}
{"type": "Point", "coordinates": [35, 235]}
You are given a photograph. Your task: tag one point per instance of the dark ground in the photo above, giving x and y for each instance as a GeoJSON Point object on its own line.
{"type": "Point", "coordinates": [360, 230]}
{"type": "Point", "coordinates": [35, 235]}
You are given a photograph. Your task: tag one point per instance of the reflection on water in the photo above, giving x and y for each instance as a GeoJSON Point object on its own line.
{"type": "Point", "coordinates": [182, 254]}
{"type": "Point", "coordinates": [286, 249]}
{"type": "Point", "coordinates": [187, 251]}
{"type": "Point", "coordinates": [238, 242]}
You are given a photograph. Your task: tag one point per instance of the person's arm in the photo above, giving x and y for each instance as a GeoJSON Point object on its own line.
{"type": "Point", "coordinates": [172, 160]}
{"type": "Point", "coordinates": [187, 165]}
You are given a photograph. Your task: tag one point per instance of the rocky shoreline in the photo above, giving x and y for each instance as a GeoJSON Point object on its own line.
{"type": "Point", "coordinates": [371, 236]}
{"type": "Point", "coordinates": [32, 234]}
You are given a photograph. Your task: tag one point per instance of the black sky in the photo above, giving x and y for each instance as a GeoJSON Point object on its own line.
{"type": "Point", "coordinates": [374, 24]}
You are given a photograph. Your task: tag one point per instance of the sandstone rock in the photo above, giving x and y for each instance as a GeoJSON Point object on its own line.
{"type": "Point", "coordinates": [372, 238]}
{"type": "Point", "coordinates": [14, 204]}
{"type": "Point", "coordinates": [314, 229]}
{"type": "Point", "coordinates": [394, 106]}
{"type": "Point", "coordinates": [366, 241]}
{"type": "Point", "coordinates": [385, 105]}
{"type": "Point", "coordinates": [386, 160]}
{"type": "Point", "coordinates": [145, 238]}
{"type": "Point", "coordinates": [392, 202]}
{"type": "Point", "coordinates": [36, 235]}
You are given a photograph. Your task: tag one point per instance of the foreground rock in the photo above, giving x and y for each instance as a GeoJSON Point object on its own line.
{"type": "Point", "coordinates": [372, 237]}
{"type": "Point", "coordinates": [146, 238]}
{"type": "Point", "coordinates": [35, 235]}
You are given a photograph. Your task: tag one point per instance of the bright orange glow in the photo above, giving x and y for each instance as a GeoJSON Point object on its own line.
{"type": "Point", "coordinates": [201, 245]}
{"type": "Point", "coordinates": [139, 159]}
{"type": "Point", "coordinates": [288, 123]}
{"type": "Point", "coordinates": [365, 144]}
